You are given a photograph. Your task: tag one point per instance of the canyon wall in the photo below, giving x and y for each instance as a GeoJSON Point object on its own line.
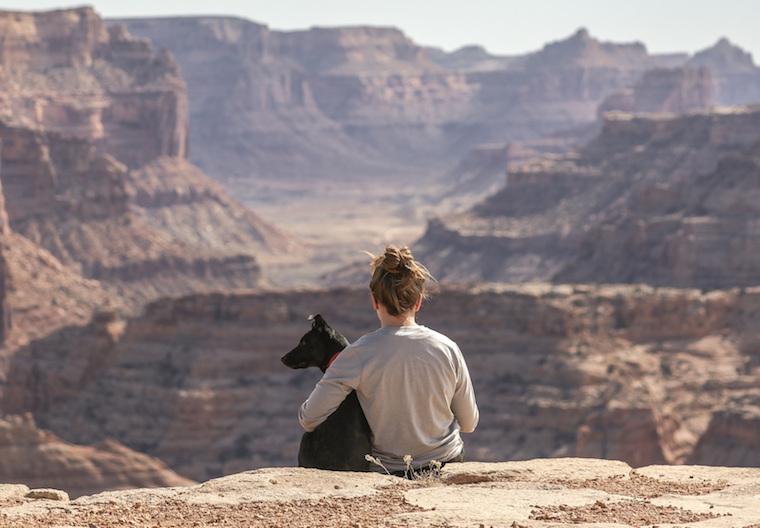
{"type": "Point", "coordinates": [665, 200]}
{"type": "Point", "coordinates": [736, 78]}
{"type": "Point", "coordinates": [64, 71]}
{"type": "Point", "coordinates": [336, 102]}
{"type": "Point", "coordinates": [39, 459]}
{"type": "Point", "coordinates": [75, 203]}
{"type": "Point", "coordinates": [481, 173]}
{"type": "Point", "coordinates": [631, 373]}
{"type": "Point", "coordinates": [94, 163]}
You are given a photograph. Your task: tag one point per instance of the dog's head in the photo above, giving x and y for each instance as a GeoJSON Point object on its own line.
{"type": "Point", "coordinates": [317, 346]}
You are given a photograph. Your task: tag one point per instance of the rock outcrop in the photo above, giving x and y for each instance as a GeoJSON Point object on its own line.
{"type": "Point", "coordinates": [5, 313]}
{"type": "Point", "coordinates": [94, 143]}
{"type": "Point", "coordinates": [64, 71]}
{"type": "Point", "coordinates": [65, 197]}
{"type": "Point", "coordinates": [622, 372]}
{"type": "Point", "coordinates": [39, 459]}
{"type": "Point", "coordinates": [731, 437]}
{"type": "Point", "coordinates": [736, 78]}
{"type": "Point", "coordinates": [646, 201]}
{"type": "Point", "coordinates": [537, 493]}
{"type": "Point", "coordinates": [664, 91]}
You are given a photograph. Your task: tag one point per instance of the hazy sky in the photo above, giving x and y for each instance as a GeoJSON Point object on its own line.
{"type": "Point", "coordinates": [501, 26]}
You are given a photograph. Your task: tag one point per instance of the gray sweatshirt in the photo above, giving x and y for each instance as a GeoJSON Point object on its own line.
{"type": "Point", "coordinates": [415, 390]}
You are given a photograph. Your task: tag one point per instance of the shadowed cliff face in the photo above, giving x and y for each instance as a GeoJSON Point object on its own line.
{"type": "Point", "coordinates": [39, 459]}
{"type": "Point", "coordinates": [627, 373]}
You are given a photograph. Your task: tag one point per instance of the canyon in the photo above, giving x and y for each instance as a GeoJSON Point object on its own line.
{"type": "Point", "coordinates": [665, 200]}
{"type": "Point", "coordinates": [634, 373]}
{"type": "Point", "coordinates": [80, 127]}
{"type": "Point", "coordinates": [169, 219]}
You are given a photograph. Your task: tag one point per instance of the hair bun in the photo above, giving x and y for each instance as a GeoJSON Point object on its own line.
{"type": "Point", "coordinates": [398, 281]}
{"type": "Point", "coordinates": [395, 260]}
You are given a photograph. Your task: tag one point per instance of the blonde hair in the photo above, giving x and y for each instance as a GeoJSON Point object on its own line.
{"type": "Point", "coordinates": [398, 281]}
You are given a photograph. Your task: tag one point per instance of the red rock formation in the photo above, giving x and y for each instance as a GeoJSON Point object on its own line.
{"type": "Point", "coordinates": [669, 91]}
{"type": "Point", "coordinates": [73, 117]}
{"type": "Point", "coordinates": [731, 438]}
{"type": "Point", "coordinates": [643, 202]}
{"type": "Point", "coordinates": [64, 71]}
{"type": "Point", "coordinates": [625, 372]}
{"type": "Point", "coordinates": [173, 196]}
{"type": "Point", "coordinates": [388, 107]}
{"type": "Point", "coordinates": [39, 459]}
{"type": "Point", "coordinates": [75, 203]}
{"type": "Point", "coordinates": [43, 295]}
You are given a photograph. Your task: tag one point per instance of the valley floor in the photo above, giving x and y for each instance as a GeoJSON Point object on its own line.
{"type": "Point", "coordinates": [338, 223]}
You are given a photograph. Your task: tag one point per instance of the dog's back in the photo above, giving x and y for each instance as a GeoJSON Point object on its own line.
{"type": "Point", "coordinates": [342, 441]}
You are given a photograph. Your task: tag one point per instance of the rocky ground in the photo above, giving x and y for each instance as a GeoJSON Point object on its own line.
{"type": "Point", "coordinates": [530, 494]}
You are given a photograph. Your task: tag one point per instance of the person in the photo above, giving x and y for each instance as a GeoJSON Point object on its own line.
{"type": "Point", "coordinates": [412, 382]}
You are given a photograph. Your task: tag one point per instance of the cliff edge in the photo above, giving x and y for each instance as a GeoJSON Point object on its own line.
{"type": "Point", "coordinates": [530, 494]}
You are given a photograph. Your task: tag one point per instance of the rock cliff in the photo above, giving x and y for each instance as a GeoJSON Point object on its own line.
{"type": "Point", "coordinates": [636, 204]}
{"type": "Point", "coordinates": [65, 197]}
{"type": "Point", "coordinates": [388, 107]}
{"type": "Point", "coordinates": [630, 373]}
{"type": "Point", "coordinates": [64, 71]}
{"type": "Point", "coordinates": [664, 91]}
{"type": "Point", "coordinates": [94, 168]}
{"type": "Point", "coordinates": [736, 78]}
{"type": "Point", "coordinates": [39, 459]}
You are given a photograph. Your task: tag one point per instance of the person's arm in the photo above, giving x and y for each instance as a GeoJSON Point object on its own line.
{"type": "Point", "coordinates": [339, 380]}
{"type": "Point", "coordinates": [463, 403]}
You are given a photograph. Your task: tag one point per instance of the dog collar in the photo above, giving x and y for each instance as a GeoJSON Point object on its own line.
{"type": "Point", "coordinates": [331, 360]}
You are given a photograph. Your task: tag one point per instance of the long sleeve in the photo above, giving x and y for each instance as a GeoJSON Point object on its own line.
{"type": "Point", "coordinates": [463, 404]}
{"type": "Point", "coordinates": [339, 380]}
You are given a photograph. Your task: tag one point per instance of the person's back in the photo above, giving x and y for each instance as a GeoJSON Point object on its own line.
{"type": "Point", "coordinates": [412, 382]}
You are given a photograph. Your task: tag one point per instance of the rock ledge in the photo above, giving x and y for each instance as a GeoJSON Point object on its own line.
{"type": "Point", "coordinates": [535, 493]}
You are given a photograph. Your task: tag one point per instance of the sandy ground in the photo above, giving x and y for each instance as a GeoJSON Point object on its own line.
{"type": "Point", "coordinates": [531, 494]}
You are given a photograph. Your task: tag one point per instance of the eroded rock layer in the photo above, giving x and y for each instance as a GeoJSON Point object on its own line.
{"type": "Point", "coordinates": [630, 373]}
{"type": "Point", "coordinates": [39, 459]}
{"type": "Point", "coordinates": [664, 200]}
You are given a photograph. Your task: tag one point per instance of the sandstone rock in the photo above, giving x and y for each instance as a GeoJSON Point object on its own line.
{"type": "Point", "coordinates": [671, 91]}
{"type": "Point", "coordinates": [528, 493]}
{"type": "Point", "coordinates": [42, 461]}
{"type": "Point", "coordinates": [730, 438]}
{"type": "Point", "coordinates": [174, 197]}
{"type": "Point", "coordinates": [5, 312]}
{"type": "Point", "coordinates": [581, 49]}
{"type": "Point", "coordinates": [736, 78]}
{"type": "Point", "coordinates": [48, 493]}
{"type": "Point", "coordinates": [388, 107]}
{"type": "Point", "coordinates": [76, 204]}
{"type": "Point", "coordinates": [643, 202]}
{"type": "Point", "coordinates": [64, 71]}
{"type": "Point", "coordinates": [43, 295]}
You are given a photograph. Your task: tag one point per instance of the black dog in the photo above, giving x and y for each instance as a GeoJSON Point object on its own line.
{"type": "Point", "coordinates": [342, 441]}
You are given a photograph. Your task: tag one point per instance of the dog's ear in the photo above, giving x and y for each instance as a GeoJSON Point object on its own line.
{"type": "Point", "coordinates": [317, 321]}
